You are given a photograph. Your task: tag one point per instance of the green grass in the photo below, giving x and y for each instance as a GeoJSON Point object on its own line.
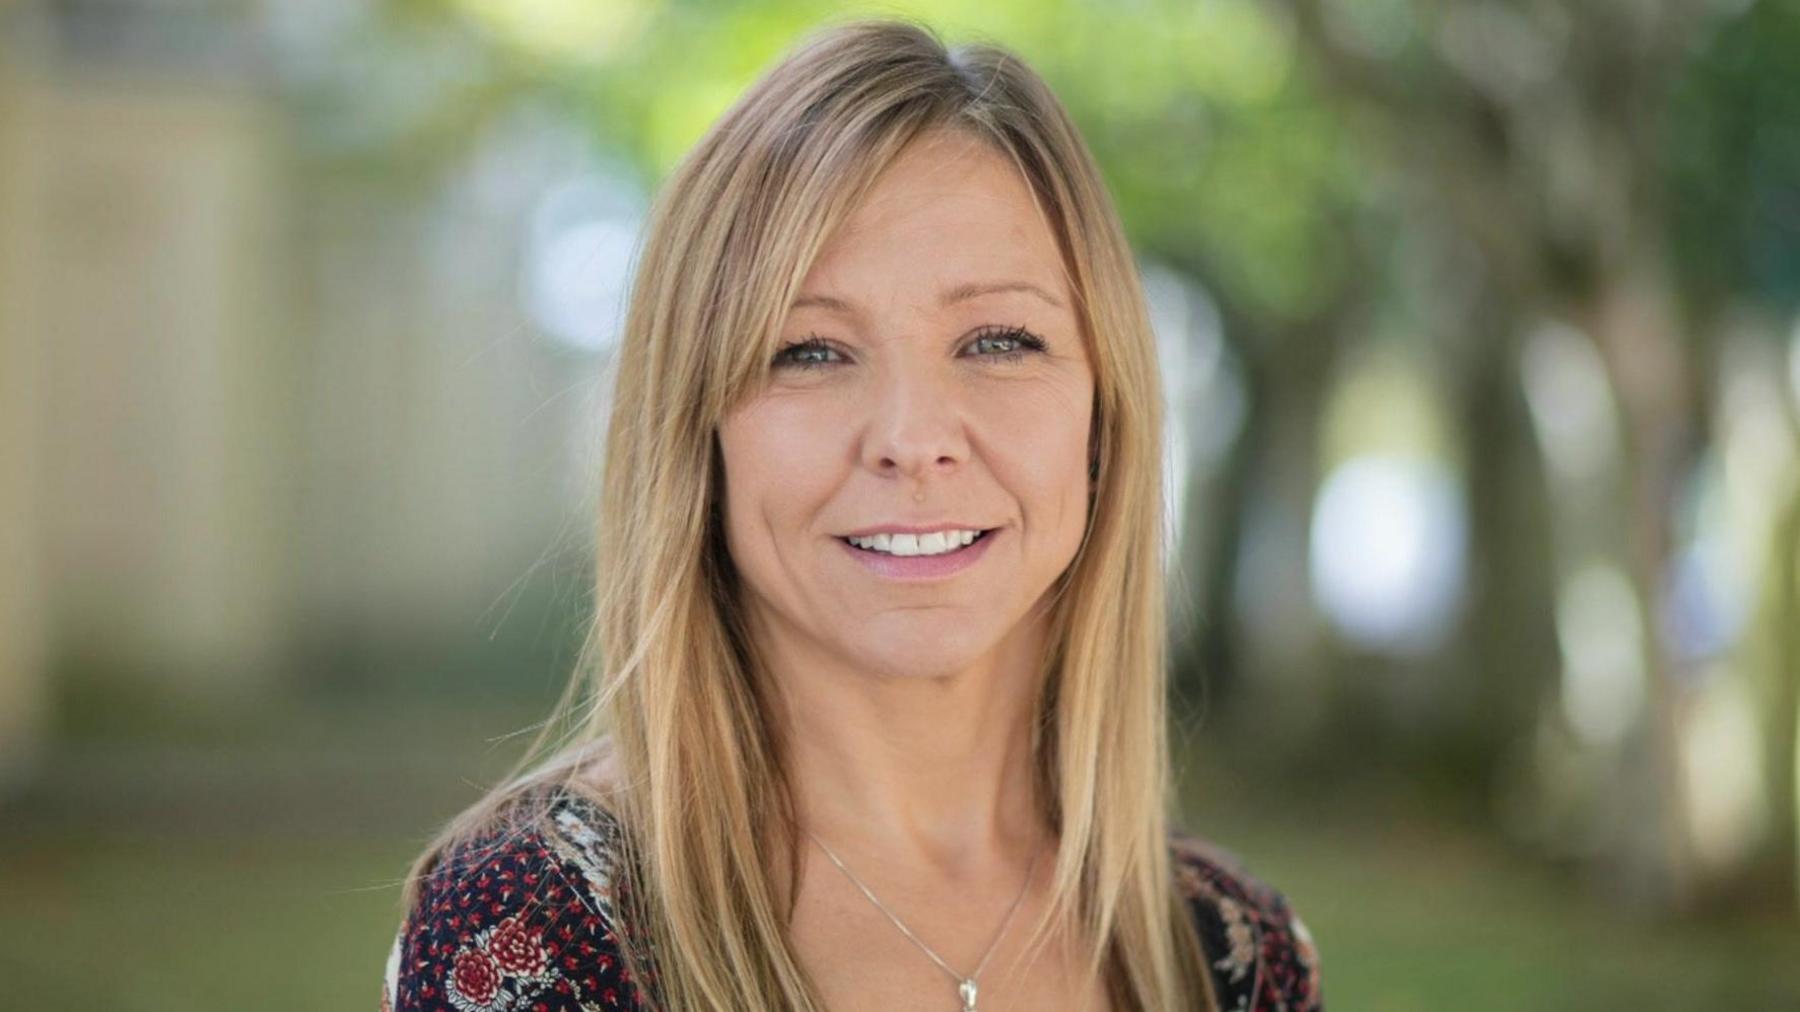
{"type": "Point", "coordinates": [1413, 928]}
{"type": "Point", "coordinates": [220, 923]}
{"type": "Point", "coordinates": [1417, 914]}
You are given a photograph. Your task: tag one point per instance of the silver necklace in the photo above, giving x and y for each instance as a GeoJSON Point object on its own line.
{"type": "Point", "coordinates": [965, 986]}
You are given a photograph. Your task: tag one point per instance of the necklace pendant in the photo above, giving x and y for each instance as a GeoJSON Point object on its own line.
{"type": "Point", "coordinates": [968, 995]}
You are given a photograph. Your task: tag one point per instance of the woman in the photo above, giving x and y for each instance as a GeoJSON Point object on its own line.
{"type": "Point", "coordinates": [876, 710]}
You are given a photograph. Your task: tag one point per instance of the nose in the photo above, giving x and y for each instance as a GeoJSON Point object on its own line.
{"type": "Point", "coordinates": [915, 422]}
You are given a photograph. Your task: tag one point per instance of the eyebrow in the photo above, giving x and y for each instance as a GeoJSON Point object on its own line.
{"type": "Point", "coordinates": [955, 294]}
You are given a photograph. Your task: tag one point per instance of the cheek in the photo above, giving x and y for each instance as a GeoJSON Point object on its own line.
{"type": "Point", "coordinates": [775, 453]}
{"type": "Point", "coordinates": [1042, 434]}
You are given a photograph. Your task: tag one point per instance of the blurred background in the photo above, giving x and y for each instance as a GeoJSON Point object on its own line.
{"type": "Point", "coordinates": [1481, 329]}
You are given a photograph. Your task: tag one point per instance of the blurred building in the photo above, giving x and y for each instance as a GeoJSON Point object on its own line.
{"type": "Point", "coordinates": [255, 418]}
{"type": "Point", "coordinates": [139, 310]}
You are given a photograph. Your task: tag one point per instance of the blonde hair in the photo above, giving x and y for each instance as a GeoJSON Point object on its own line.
{"type": "Point", "coordinates": [667, 690]}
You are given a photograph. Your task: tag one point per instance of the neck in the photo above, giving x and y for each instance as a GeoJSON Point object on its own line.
{"type": "Point", "coordinates": [932, 771]}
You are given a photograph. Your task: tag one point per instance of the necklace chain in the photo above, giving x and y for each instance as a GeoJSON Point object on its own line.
{"type": "Point", "coordinates": [966, 986]}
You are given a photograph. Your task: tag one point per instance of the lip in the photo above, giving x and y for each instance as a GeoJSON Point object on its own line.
{"type": "Point", "coordinates": [949, 525]}
{"type": "Point", "coordinates": [922, 567]}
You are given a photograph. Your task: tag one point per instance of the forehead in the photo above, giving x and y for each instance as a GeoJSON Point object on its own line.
{"type": "Point", "coordinates": [949, 207]}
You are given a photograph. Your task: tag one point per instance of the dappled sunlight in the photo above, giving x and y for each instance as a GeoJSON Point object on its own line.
{"type": "Point", "coordinates": [1571, 403]}
{"type": "Point", "coordinates": [1387, 552]}
{"type": "Point", "coordinates": [1601, 636]}
{"type": "Point", "coordinates": [577, 268]}
{"type": "Point", "coordinates": [577, 31]}
{"type": "Point", "coordinates": [1723, 775]}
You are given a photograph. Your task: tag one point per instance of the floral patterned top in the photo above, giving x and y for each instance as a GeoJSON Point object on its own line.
{"type": "Point", "coordinates": [530, 925]}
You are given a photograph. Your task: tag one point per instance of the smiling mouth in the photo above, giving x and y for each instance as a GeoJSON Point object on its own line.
{"type": "Point", "coordinates": [979, 536]}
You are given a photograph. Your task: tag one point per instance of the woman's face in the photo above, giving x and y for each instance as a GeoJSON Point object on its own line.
{"type": "Point", "coordinates": [946, 386]}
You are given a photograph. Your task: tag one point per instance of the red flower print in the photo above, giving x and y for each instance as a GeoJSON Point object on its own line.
{"type": "Point", "coordinates": [475, 976]}
{"type": "Point", "coordinates": [518, 950]}
{"type": "Point", "coordinates": [519, 927]}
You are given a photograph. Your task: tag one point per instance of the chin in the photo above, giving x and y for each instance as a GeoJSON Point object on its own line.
{"type": "Point", "coordinates": [918, 655]}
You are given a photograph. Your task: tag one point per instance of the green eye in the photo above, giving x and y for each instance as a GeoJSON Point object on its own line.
{"type": "Point", "coordinates": [813, 352]}
{"type": "Point", "coordinates": [1023, 342]}
{"type": "Point", "coordinates": [807, 354]}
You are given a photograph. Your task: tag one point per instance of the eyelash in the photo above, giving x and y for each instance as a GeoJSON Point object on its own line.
{"type": "Point", "coordinates": [1028, 342]}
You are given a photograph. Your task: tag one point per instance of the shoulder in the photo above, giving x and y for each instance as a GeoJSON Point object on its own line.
{"type": "Point", "coordinates": [518, 917]}
{"type": "Point", "coordinates": [1261, 954]}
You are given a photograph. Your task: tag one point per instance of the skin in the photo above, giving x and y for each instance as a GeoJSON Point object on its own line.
{"type": "Point", "coordinates": [908, 706]}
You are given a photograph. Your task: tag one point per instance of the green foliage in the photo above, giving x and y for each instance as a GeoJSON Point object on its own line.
{"type": "Point", "coordinates": [1219, 154]}
{"type": "Point", "coordinates": [1733, 151]}
{"type": "Point", "coordinates": [1208, 120]}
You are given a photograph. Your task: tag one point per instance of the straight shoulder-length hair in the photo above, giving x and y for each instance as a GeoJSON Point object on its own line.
{"type": "Point", "coordinates": [668, 695]}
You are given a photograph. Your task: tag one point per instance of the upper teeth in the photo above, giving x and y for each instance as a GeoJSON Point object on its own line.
{"type": "Point", "coordinates": [935, 543]}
